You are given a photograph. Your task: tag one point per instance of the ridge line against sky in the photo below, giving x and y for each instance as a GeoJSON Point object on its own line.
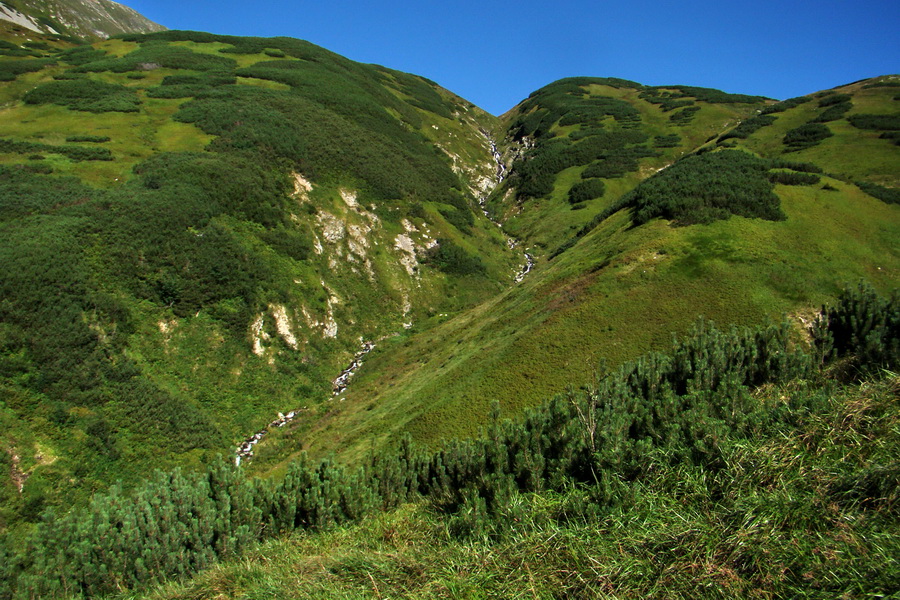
{"type": "Point", "coordinates": [495, 54]}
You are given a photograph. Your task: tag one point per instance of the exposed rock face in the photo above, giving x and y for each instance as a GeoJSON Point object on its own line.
{"type": "Point", "coordinates": [302, 187]}
{"type": "Point", "coordinates": [332, 227]}
{"type": "Point", "coordinates": [91, 19]}
{"type": "Point", "coordinates": [407, 249]}
{"type": "Point", "coordinates": [258, 335]}
{"type": "Point", "coordinates": [283, 325]}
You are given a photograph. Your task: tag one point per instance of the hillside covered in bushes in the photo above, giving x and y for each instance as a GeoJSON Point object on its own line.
{"type": "Point", "coordinates": [775, 460]}
{"type": "Point", "coordinates": [363, 290]}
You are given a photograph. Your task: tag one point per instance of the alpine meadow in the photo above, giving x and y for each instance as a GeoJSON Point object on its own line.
{"type": "Point", "coordinates": [278, 324]}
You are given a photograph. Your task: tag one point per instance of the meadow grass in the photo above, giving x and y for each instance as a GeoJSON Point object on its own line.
{"type": "Point", "coordinates": [773, 521]}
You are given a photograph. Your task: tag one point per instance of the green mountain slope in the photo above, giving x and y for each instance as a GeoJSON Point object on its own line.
{"type": "Point", "coordinates": [617, 280]}
{"type": "Point", "coordinates": [200, 231]}
{"type": "Point", "coordinates": [744, 452]}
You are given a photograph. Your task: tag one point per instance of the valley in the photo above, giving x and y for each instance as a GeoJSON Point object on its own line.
{"type": "Point", "coordinates": [204, 236]}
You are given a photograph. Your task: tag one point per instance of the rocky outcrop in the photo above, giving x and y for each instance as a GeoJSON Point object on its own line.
{"type": "Point", "coordinates": [89, 19]}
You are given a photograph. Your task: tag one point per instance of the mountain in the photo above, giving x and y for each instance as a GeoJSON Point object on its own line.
{"type": "Point", "coordinates": [720, 214]}
{"type": "Point", "coordinates": [200, 232]}
{"type": "Point", "coordinates": [85, 19]}
{"type": "Point", "coordinates": [206, 238]}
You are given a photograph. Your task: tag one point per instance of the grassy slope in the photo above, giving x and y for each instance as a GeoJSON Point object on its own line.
{"type": "Point", "coordinates": [769, 523]}
{"type": "Point", "coordinates": [544, 221]}
{"type": "Point", "coordinates": [622, 291]}
{"type": "Point", "coordinates": [196, 358]}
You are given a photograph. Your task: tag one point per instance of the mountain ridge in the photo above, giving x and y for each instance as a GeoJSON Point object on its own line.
{"type": "Point", "coordinates": [87, 19]}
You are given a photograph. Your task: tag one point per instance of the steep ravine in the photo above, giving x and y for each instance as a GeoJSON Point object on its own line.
{"type": "Point", "coordinates": [499, 176]}
{"type": "Point", "coordinates": [245, 450]}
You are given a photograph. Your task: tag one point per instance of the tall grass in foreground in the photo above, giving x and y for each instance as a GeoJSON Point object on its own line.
{"type": "Point", "coordinates": [735, 452]}
{"type": "Point", "coordinates": [808, 510]}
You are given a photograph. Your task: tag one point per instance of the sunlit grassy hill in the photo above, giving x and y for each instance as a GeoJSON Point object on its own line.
{"type": "Point", "coordinates": [199, 232]}
{"type": "Point", "coordinates": [735, 228]}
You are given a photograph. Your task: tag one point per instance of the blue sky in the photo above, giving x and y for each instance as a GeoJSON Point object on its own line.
{"type": "Point", "coordinates": [496, 53]}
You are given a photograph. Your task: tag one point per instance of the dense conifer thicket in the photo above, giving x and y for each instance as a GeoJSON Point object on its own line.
{"type": "Point", "coordinates": [608, 140]}
{"type": "Point", "coordinates": [77, 153]}
{"type": "Point", "coordinates": [452, 258]}
{"type": "Point", "coordinates": [889, 195]}
{"type": "Point", "coordinates": [784, 105]}
{"type": "Point", "coordinates": [663, 410]}
{"type": "Point", "coordinates": [806, 136]}
{"type": "Point", "coordinates": [704, 188]}
{"type": "Point", "coordinates": [748, 127]}
{"type": "Point", "coordinates": [10, 69]}
{"type": "Point", "coordinates": [85, 94]}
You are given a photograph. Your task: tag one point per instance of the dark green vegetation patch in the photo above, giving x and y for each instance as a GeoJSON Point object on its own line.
{"type": "Point", "coordinates": [10, 69]}
{"type": "Point", "coordinates": [748, 127]}
{"type": "Point", "coordinates": [586, 190]}
{"type": "Point", "coordinates": [86, 95]}
{"type": "Point", "coordinates": [452, 258]}
{"type": "Point", "coordinates": [806, 136]}
{"type": "Point", "coordinates": [155, 55]}
{"type": "Point", "coordinates": [875, 122]}
{"type": "Point", "coordinates": [74, 152]}
{"type": "Point", "coordinates": [704, 188]}
{"type": "Point", "coordinates": [889, 195]}
{"type": "Point", "coordinates": [606, 153]}
{"type": "Point", "coordinates": [568, 102]}
{"type": "Point", "coordinates": [784, 105]}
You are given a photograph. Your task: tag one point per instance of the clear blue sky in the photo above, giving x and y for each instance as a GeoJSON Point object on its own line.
{"type": "Point", "coordinates": [496, 53]}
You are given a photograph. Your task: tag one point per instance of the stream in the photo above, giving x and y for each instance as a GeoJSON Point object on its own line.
{"type": "Point", "coordinates": [499, 176]}
{"type": "Point", "coordinates": [245, 450]}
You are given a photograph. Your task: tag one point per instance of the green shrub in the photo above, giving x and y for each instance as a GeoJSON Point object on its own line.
{"type": "Point", "coordinates": [77, 153]}
{"type": "Point", "coordinates": [714, 96]}
{"type": "Point", "coordinates": [748, 127]}
{"type": "Point", "coordinates": [876, 122]}
{"type": "Point", "coordinates": [10, 69]}
{"type": "Point", "coordinates": [882, 84]}
{"type": "Point", "coordinates": [705, 188]}
{"type": "Point", "coordinates": [891, 135]}
{"type": "Point", "coordinates": [667, 141]}
{"type": "Point", "coordinates": [82, 55]}
{"type": "Point", "coordinates": [154, 55]}
{"type": "Point", "coordinates": [778, 163]}
{"type": "Point", "coordinates": [85, 95]}
{"type": "Point", "coordinates": [607, 153]}
{"type": "Point", "coordinates": [96, 139]}
{"type": "Point", "coordinates": [806, 136]}
{"type": "Point", "coordinates": [684, 116]}
{"type": "Point", "coordinates": [791, 178]}
{"type": "Point", "coordinates": [785, 105]}
{"type": "Point", "coordinates": [863, 325]}
{"type": "Point", "coordinates": [586, 190]}
{"type": "Point", "coordinates": [463, 220]}
{"type": "Point", "coordinates": [834, 112]}
{"type": "Point", "coordinates": [888, 195]}
{"type": "Point", "coordinates": [10, 49]}
{"type": "Point", "coordinates": [832, 99]}
{"type": "Point", "coordinates": [452, 258]}
{"type": "Point", "coordinates": [662, 415]}
{"type": "Point", "coordinates": [566, 101]}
